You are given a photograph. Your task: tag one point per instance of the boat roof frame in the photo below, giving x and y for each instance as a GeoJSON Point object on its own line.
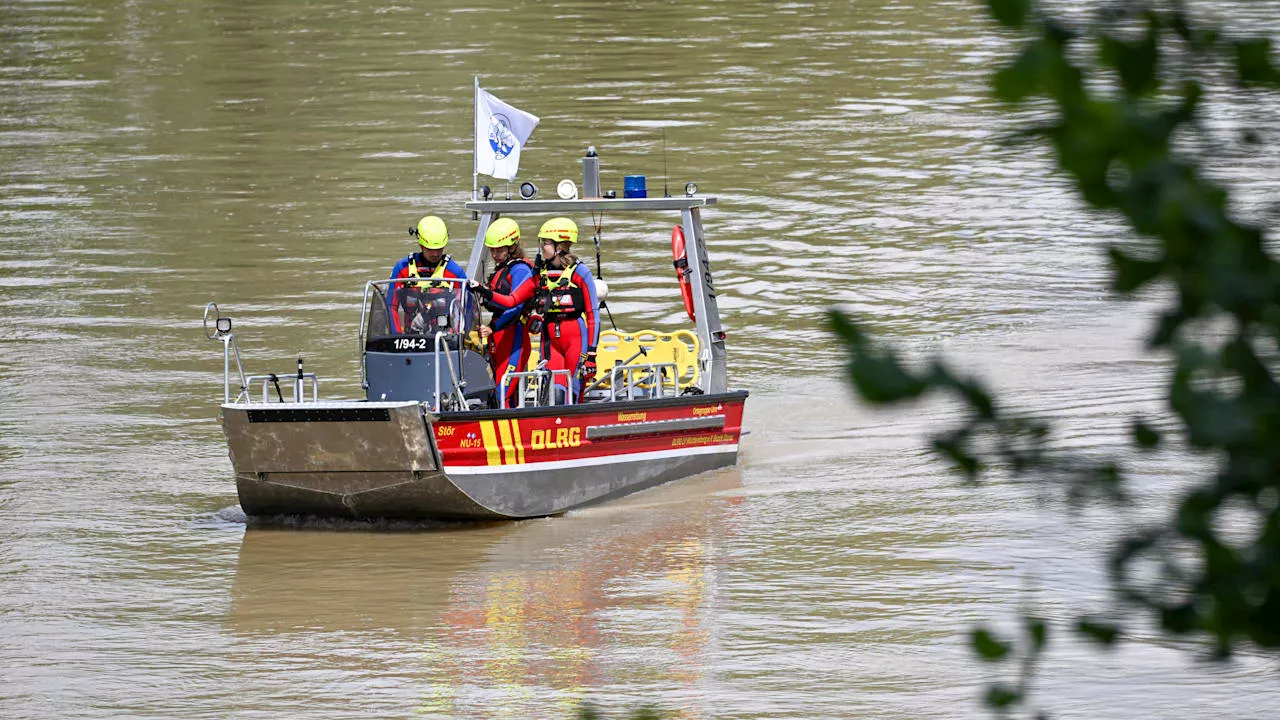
{"type": "Point", "coordinates": [591, 205]}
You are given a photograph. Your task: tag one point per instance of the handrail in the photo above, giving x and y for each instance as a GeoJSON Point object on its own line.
{"type": "Point", "coordinates": [222, 331]}
{"type": "Point", "coordinates": [506, 384]}
{"type": "Point", "coordinates": [453, 375]}
{"type": "Point", "coordinates": [273, 378]}
{"type": "Point", "coordinates": [656, 378]}
{"type": "Point", "coordinates": [600, 380]}
{"type": "Point", "coordinates": [541, 374]}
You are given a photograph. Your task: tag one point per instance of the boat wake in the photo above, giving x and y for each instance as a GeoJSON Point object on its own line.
{"type": "Point", "coordinates": [224, 518]}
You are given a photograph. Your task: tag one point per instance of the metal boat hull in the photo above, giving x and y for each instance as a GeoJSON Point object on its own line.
{"type": "Point", "coordinates": [394, 460]}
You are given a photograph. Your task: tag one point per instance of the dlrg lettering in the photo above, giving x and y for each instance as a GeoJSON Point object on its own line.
{"type": "Point", "coordinates": [556, 438]}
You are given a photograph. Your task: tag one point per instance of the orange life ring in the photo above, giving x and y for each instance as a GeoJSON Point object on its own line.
{"type": "Point", "coordinates": [681, 261]}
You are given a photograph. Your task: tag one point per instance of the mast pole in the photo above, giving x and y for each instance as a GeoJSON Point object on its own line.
{"type": "Point", "coordinates": [475, 124]}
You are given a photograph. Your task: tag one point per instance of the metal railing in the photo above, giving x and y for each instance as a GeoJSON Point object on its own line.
{"type": "Point", "coordinates": [221, 331]}
{"type": "Point", "coordinates": [544, 382]}
{"type": "Point", "coordinates": [643, 380]}
{"type": "Point", "coordinates": [640, 380]}
{"type": "Point", "coordinates": [272, 379]}
{"type": "Point", "coordinates": [458, 385]}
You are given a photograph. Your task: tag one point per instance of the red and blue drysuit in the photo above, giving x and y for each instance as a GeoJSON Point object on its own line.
{"type": "Point", "coordinates": [417, 266]}
{"type": "Point", "coordinates": [512, 284]}
{"type": "Point", "coordinates": [571, 320]}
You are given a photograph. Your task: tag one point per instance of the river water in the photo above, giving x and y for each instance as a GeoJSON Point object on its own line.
{"type": "Point", "coordinates": [156, 156]}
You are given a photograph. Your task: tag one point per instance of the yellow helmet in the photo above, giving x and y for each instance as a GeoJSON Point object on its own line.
{"type": "Point", "coordinates": [560, 229]}
{"type": "Point", "coordinates": [503, 232]}
{"type": "Point", "coordinates": [431, 233]}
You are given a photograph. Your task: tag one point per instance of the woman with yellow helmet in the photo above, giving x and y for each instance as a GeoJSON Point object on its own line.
{"type": "Point", "coordinates": [567, 305]}
{"type": "Point", "coordinates": [510, 286]}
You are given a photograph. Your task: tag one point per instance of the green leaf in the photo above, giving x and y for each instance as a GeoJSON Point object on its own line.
{"type": "Point", "coordinates": [1001, 696]}
{"type": "Point", "coordinates": [1107, 477]}
{"type": "Point", "coordinates": [877, 375]}
{"type": "Point", "coordinates": [1167, 327]}
{"type": "Point", "coordinates": [1132, 273]}
{"type": "Point", "coordinates": [1038, 632]}
{"type": "Point", "coordinates": [846, 329]}
{"type": "Point", "coordinates": [1010, 13]}
{"type": "Point", "coordinates": [1024, 77]}
{"type": "Point", "coordinates": [979, 400]}
{"type": "Point", "coordinates": [1180, 620]}
{"type": "Point", "coordinates": [953, 448]}
{"type": "Point", "coordinates": [1136, 62]}
{"type": "Point", "coordinates": [1178, 21]}
{"type": "Point", "coordinates": [988, 647]}
{"type": "Point", "coordinates": [1146, 436]}
{"type": "Point", "coordinates": [1101, 633]}
{"type": "Point", "coordinates": [880, 378]}
{"type": "Point", "coordinates": [1253, 62]}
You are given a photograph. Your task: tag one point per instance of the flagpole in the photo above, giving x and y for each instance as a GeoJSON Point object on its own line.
{"type": "Point", "coordinates": [475, 122]}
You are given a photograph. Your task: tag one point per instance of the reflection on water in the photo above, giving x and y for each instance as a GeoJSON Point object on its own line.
{"type": "Point", "coordinates": [269, 156]}
{"type": "Point", "coordinates": [512, 619]}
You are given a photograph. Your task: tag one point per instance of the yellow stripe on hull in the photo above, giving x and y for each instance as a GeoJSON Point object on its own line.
{"type": "Point", "coordinates": [490, 438]}
{"type": "Point", "coordinates": [515, 430]}
{"type": "Point", "coordinates": [508, 452]}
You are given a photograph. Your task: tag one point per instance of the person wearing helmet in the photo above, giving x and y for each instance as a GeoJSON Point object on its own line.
{"type": "Point", "coordinates": [566, 306]}
{"type": "Point", "coordinates": [410, 302]}
{"type": "Point", "coordinates": [510, 286]}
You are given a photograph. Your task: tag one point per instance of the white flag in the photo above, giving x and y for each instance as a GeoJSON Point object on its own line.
{"type": "Point", "coordinates": [501, 131]}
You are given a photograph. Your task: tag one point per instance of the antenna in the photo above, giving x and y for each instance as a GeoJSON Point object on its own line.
{"type": "Point", "coordinates": [664, 164]}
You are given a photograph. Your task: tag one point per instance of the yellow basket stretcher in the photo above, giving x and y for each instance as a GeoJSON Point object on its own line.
{"type": "Point", "coordinates": [646, 362]}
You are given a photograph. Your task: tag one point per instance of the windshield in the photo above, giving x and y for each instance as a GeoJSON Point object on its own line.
{"type": "Point", "coordinates": [416, 309]}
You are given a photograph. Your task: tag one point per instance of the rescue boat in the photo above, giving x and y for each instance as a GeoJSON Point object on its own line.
{"type": "Point", "coordinates": [432, 438]}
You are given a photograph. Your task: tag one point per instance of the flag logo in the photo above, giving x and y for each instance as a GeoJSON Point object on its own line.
{"type": "Point", "coordinates": [501, 139]}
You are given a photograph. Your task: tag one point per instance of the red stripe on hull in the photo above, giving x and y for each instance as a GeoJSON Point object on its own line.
{"type": "Point", "coordinates": [525, 439]}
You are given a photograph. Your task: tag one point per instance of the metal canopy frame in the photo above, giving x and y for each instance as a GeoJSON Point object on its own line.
{"type": "Point", "coordinates": [711, 357]}
{"type": "Point", "coordinates": [590, 205]}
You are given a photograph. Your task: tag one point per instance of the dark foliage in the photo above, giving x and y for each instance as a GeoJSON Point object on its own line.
{"type": "Point", "coordinates": [1126, 90]}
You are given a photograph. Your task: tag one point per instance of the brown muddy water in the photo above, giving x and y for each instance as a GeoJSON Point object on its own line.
{"type": "Point", "coordinates": [156, 156]}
